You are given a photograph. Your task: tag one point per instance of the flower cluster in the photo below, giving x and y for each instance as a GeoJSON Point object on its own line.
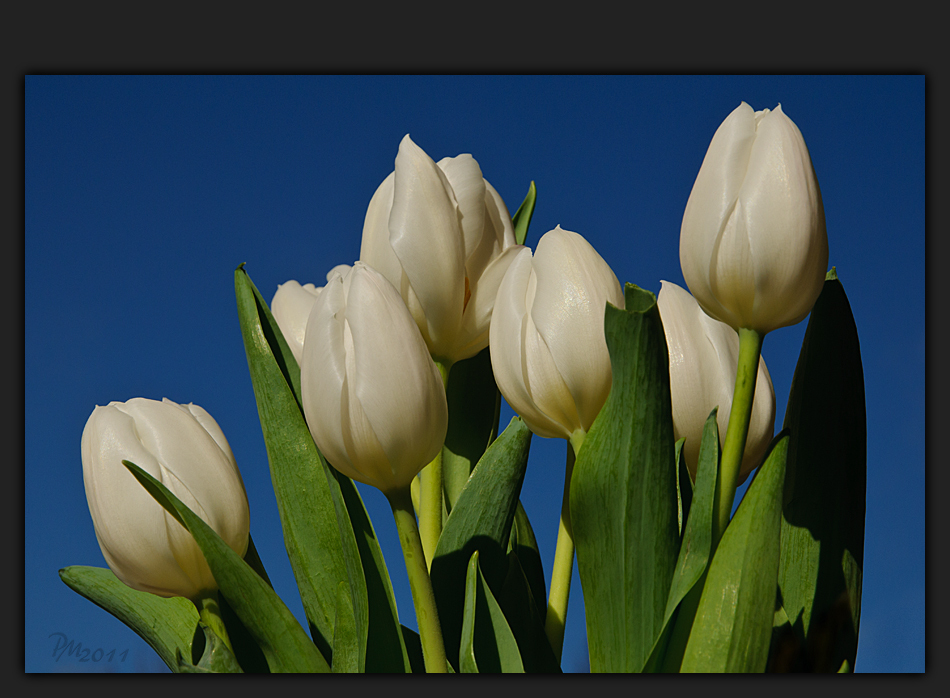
{"type": "Point", "coordinates": [443, 277]}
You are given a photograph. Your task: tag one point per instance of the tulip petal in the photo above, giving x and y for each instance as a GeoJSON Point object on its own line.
{"type": "Point", "coordinates": [468, 185]}
{"type": "Point", "coordinates": [425, 235]}
{"type": "Point", "coordinates": [291, 308]}
{"type": "Point", "coordinates": [375, 248]}
{"type": "Point", "coordinates": [506, 341]}
{"type": "Point", "coordinates": [476, 320]}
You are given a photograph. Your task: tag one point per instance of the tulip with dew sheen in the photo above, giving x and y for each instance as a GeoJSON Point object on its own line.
{"type": "Point", "coordinates": [183, 448]}
{"type": "Point", "coordinates": [548, 350]}
{"type": "Point", "coordinates": [550, 360]}
{"type": "Point", "coordinates": [704, 354]}
{"type": "Point", "coordinates": [753, 245]}
{"type": "Point", "coordinates": [291, 307]}
{"type": "Point", "coordinates": [443, 237]}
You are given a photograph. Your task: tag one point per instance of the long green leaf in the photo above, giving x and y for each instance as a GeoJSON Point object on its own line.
{"type": "Point", "coordinates": [168, 625]}
{"type": "Point", "coordinates": [623, 494]}
{"type": "Point", "coordinates": [481, 520]}
{"type": "Point", "coordinates": [522, 218]}
{"type": "Point", "coordinates": [733, 623]}
{"type": "Point", "coordinates": [693, 560]}
{"type": "Point", "coordinates": [284, 643]}
{"type": "Point", "coordinates": [487, 646]}
{"type": "Point", "coordinates": [824, 501]}
{"type": "Point", "coordinates": [312, 535]}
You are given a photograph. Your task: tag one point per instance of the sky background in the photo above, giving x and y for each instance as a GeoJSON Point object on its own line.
{"type": "Point", "coordinates": [143, 193]}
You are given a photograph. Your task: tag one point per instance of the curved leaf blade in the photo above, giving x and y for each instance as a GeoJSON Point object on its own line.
{"type": "Point", "coordinates": [522, 218]}
{"type": "Point", "coordinates": [623, 497]}
{"type": "Point", "coordinates": [488, 645]}
{"type": "Point", "coordinates": [733, 623]}
{"type": "Point", "coordinates": [824, 506]}
{"type": "Point", "coordinates": [168, 625]}
{"type": "Point", "coordinates": [481, 520]}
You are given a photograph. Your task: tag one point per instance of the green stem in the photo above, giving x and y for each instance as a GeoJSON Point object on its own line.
{"type": "Point", "coordinates": [430, 513]}
{"type": "Point", "coordinates": [210, 614]}
{"type": "Point", "coordinates": [750, 347]}
{"type": "Point", "coordinates": [563, 557]}
{"type": "Point", "coordinates": [427, 616]}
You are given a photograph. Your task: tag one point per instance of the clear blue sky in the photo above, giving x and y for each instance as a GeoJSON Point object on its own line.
{"type": "Point", "coordinates": [144, 193]}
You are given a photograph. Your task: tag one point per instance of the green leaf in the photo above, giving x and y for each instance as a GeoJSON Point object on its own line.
{"type": "Point", "coordinates": [693, 559]}
{"type": "Point", "coordinates": [623, 494]}
{"type": "Point", "coordinates": [284, 643]}
{"type": "Point", "coordinates": [733, 623]}
{"type": "Point", "coordinates": [216, 658]}
{"type": "Point", "coordinates": [245, 647]}
{"type": "Point", "coordinates": [526, 620]}
{"type": "Point", "coordinates": [523, 542]}
{"type": "Point", "coordinates": [473, 401]}
{"type": "Point", "coordinates": [825, 490]}
{"type": "Point", "coordinates": [386, 650]}
{"type": "Point", "coordinates": [168, 625]}
{"type": "Point", "coordinates": [684, 485]}
{"type": "Point", "coordinates": [522, 217]}
{"type": "Point", "coordinates": [481, 520]}
{"type": "Point", "coordinates": [346, 651]}
{"type": "Point", "coordinates": [488, 645]}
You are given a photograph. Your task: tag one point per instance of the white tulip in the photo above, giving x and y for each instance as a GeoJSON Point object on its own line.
{"type": "Point", "coordinates": [291, 307]}
{"type": "Point", "coordinates": [704, 354]}
{"type": "Point", "coordinates": [443, 237]}
{"type": "Point", "coordinates": [182, 447]}
{"type": "Point", "coordinates": [548, 350]}
{"type": "Point", "coordinates": [753, 246]}
{"type": "Point", "coordinates": [372, 396]}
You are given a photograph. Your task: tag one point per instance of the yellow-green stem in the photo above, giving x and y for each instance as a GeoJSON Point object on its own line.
{"type": "Point", "coordinates": [210, 614]}
{"type": "Point", "coordinates": [750, 347]}
{"type": "Point", "coordinates": [563, 557]}
{"type": "Point", "coordinates": [430, 513]}
{"type": "Point", "coordinates": [427, 616]}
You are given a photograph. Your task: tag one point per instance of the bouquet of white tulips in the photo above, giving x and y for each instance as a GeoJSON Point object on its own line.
{"type": "Point", "coordinates": [391, 374]}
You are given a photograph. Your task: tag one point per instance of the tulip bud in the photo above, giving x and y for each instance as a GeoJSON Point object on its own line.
{"type": "Point", "coordinates": [753, 246]}
{"type": "Point", "coordinates": [291, 308]}
{"type": "Point", "coordinates": [548, 350]}
{"type": "Point", "coordinates": [183, 448]}
{"type": "Point", "coordinates": [372, 396]}
{"type": "Point", "coordinates": [442, 236]}
{"type": "Point", "coordinates": [704, 354]}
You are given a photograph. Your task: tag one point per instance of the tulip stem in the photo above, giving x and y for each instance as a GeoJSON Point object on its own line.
{"type": "Point", "coordinates": [563, 557]}
{"type": "Point", "coordinates": [427, 615]}
{"type": "Point", "coordinates": [750, 347]}
{"type": "Point", "coordinates": [430, 511]}
{"type": "Point", "coordinates": [210, 614]}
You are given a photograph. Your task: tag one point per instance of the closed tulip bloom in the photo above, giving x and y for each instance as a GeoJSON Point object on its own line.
{"type": "Point", "coordinates": [291, 307]}
{"type": "Point", "coordinates": [548, 350]}
{"type": "Point", "coordinates": [704, 354]}
{"type": "Point", "coordinates": [442, 236]}
{"type": "Point", "coordinates": [753, 246]}
{"type": "Point", "coordinates": [182, 447]}
{"type": "Point", "coordinates": [372, 396]}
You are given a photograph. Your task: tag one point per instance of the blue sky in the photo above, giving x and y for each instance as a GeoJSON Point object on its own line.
{"type": "Point", "coordinates": [143, 193]}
